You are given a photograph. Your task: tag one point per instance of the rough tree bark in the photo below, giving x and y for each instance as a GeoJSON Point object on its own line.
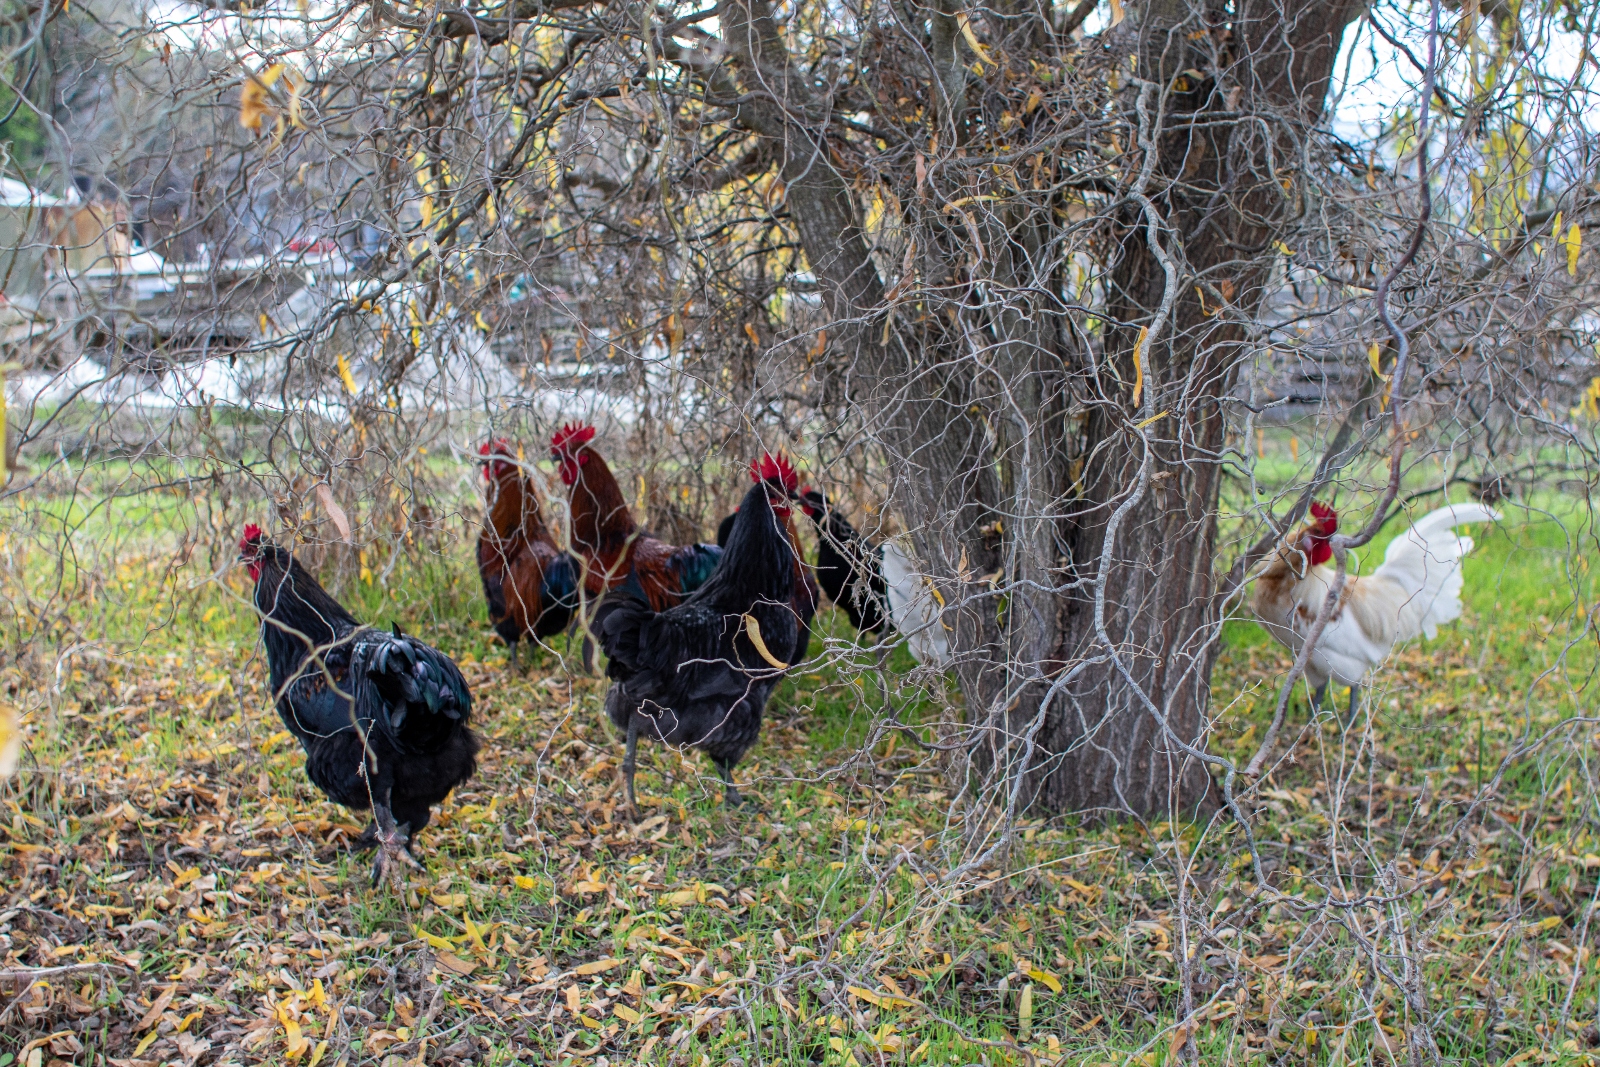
{"type": "Point", "coordinates": [1060, 499]}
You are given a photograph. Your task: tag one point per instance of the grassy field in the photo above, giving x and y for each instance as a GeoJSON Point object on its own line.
{"type": "Point", "coordinates": [187, 897]}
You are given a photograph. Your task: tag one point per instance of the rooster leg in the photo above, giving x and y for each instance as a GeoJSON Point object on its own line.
{"type": "Point", "coordinates": [393, 845]}
{"type": "Point", "coordinates": [629, 764]}
{"type": "Point", "coordinates": [1355, 706]}
{"type": "Point", "coordinates": [1319, 698]}
{"type": "Point", "coordinates": [512, 654]}
{"type": "Point", "coordinates": [730, 792]}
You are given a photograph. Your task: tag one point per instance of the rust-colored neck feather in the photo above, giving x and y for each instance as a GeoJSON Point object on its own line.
{"type": "Point", "coordinates": [600, 515]}
{"type": "Point", "coordinates": [516, 507]}
{"type": "Point", "coordinates": [505, 510]}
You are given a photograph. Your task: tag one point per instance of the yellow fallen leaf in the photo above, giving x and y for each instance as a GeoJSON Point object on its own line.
{"type": "Point", "coordinates": [281, 735]}
{"type": "Point", "coordinates": [596, 967]}
{"type": "Point", "coordinates": [680, 897]}
{"type": "Point", "coordinates": [433, 940]}
{"type": "Point", "coordinates": [449, 900]}
{"type": "Point", "coordinates": [149, 1039]}
{"type": "Point", "coordinates": [626, 1014]}
{"type": "Point", "coordinates": [1045, 978]}
{"type": "Point", "coordinates": [316, 1056]}
{"type": "Point", "coordinates": [522, 881]}
{"type": "Point", "coordinates": [878, 1000]}
{"type": "Point", "coordinates": [296, 1043]}
{"type": "Point", "coordinates": [1574, 244]}
{"type": "Point", "coordinates": [190, 1019]}
{"type": "Point", "coordinates": [185, 877]}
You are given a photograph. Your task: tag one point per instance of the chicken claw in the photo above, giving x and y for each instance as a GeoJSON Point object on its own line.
{"type": "Point", "coordinates": [394, 852]}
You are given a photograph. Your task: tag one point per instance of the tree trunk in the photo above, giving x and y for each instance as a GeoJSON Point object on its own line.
{"type": "Point", "coordinates": [1064, 498]}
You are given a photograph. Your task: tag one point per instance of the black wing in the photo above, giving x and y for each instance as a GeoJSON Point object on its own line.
{"type": "Point", "coordinates": [411, 691]}
{"type": "Point", "coordinates": [676, 657]}
{"type": "Point", "coordinates": [317, 701]}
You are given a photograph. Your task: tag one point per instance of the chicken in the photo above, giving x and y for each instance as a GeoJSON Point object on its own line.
{"type": "Point", "coordinates": [807, 594]}
{"type": "Point", "coordinates": [530, 583]}
{"type": "Point", "coordinates": [383, 717]}
{"type": "Point", "coordinates": [1416, 590]}
{"type": "Point", "coordinates": [699, 674]}
{"type": "Point", "coordinates": [607, 540]}
{"type": "Point", "coordinates": [849, 569]}
{"type": "Point", "coordinates": [914, 606]}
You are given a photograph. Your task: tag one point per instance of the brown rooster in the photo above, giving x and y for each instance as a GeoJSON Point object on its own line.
{"type": "Point", "coordinates": [608, 542]}
{"type": "Point", "coordinates": [530, 584]}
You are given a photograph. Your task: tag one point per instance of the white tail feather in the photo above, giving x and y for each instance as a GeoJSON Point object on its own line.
{"type": "Point", "coordinates": [913, 608]}
{"type": "Point", "coordinates": [1425, 562]}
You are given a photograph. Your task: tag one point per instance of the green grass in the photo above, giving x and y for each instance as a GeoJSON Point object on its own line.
{"type": "Point", "coordinates": [142, 686]}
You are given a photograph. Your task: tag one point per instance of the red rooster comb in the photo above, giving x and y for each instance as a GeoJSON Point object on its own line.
{"type": "Point", "coordinates": [252, 535]}
{"type": "Point", "coordinates": [572, 435]}
{"type": "Point", "coordinates": [498, 446]}
{"type": "Point", "coordinates": [770, 468]}
{"type": "Point", "coordinates": [1327, 518]}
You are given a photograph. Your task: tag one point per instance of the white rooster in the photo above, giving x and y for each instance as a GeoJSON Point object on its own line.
{"type": "Point", "coordinates": [1415, 591]}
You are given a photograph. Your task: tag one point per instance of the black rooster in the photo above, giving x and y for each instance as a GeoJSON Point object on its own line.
{"type": "Point", "coordinates": [382, 717]}
{"type": "Point", "coordinates": [699, 674]}
{"type": "Point", "coordinates": [849, 569]}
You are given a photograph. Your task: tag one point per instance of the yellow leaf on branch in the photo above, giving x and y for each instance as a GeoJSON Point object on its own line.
{"type": "Point", "coordinates": [255, 99]}
{"type": "Point", "coordinates": [972, 39]}
{"type": "Point", "coordinates": [1138, 364]}
{"type": "Point", "coordinates": [752, 628]}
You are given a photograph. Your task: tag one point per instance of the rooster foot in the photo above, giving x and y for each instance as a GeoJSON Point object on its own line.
{"type": "Point", "coordinates": [394, 853]}
{"type": "Point", "coordinates": [734, 800]}
{"type": "Point", "coordinates": [368, 838]}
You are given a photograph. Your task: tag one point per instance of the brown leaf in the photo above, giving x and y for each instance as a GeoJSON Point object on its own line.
{"type": "Point", "coordinates": [597, 966]}
{"type": "Point", "coordinates": [452, 962]}
{"type": "Point", "coordinates": [335, 512]}
{"type": "Point", "coordinates": [157, 1009]}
